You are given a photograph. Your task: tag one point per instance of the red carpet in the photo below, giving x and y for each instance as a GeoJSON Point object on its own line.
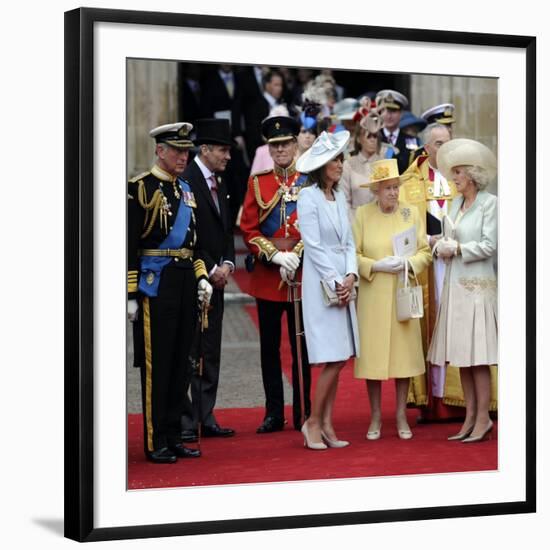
{"type": "Point", "coordinates": [252, 458]}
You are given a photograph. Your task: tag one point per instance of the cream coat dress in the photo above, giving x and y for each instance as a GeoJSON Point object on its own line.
{"type": "Point", "coordinates": [466, 327]}
{"type": "Point", "coordinates": [329, 255]}
{"type": "Point", "coordinates": [389, 348]}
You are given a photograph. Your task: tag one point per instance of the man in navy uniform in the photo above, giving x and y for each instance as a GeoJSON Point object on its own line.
{"type": "Point", "coordinates": [165, 277]}
{"type": "Point", "coordinates": [391, 104]}
{"type": "Point", "coordinates": [269, 224]}
{"type": "Point", "coordinates": [215, 233]}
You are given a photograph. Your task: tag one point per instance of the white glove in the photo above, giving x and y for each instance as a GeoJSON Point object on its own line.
{"type": "Point", "coordinates": [286, 275]}
{"type": "Point", "coordinates": [288, 260]}
{"type": "Point", "coordinates": [204, 291]}
{"type": "Point", "coordinates": [446, 248]}
{"type": "Point", "coordinates": [390, 264]}
{"type": "Point", "coordinates": [132, 310]}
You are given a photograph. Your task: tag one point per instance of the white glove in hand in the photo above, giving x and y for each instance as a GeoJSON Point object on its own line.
{"type": "Point", "coordinates": [204, 291]}
{"type": "Point", "coordinates": [446, 248]}
{"type": "Point", "coordinates": [286, 275]}
{"type": "Point", "coordinates": [132, 310]}
{"type": "Point", "coordinates": [389, 264]}
{"type": "Point", "coordinates": [288, 260]}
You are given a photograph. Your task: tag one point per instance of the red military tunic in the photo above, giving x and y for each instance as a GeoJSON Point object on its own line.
{"type": "Point", "coordinates": [269, 223]}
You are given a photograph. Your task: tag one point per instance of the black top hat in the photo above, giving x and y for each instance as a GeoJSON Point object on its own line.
{"type": "Point", "coordinates": [215, 131]}
{"type": "Point", "coordinates": [279, 128]}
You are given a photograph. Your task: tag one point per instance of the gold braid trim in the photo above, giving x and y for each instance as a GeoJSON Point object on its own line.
{"type": "Point", "coordinates": [132, 281]}
{"type": "Point", "coordinates": [299, 249]}
{"type": "Point", "coordinates": [267, 207]}
{"type": "Point", "coordinates": [200, 269]}
{"type": "Point", "coordinates": [265, 247]}
{"type": "Point", "coordinates": [153, 205]}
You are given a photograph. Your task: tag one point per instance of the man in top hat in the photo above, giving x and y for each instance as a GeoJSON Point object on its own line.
{"type": "Point", "coordinates": [163, 269]}
{"type": "Point", "coordinates": [215, 235]}
{"type": "Point", "coordinates": [392, 103]}
{"type": "Point", "coordinates": [428, 189]}
{"type": "Point", "coordinates": [270, 229]}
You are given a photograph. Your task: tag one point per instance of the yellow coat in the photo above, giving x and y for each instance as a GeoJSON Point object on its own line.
{"type": "Point", "coordinates": [389, 348]}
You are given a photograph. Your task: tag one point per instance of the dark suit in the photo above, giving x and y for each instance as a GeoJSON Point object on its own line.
{"type": "Point", "coordinates": [216, 238]}
{"type": "Point", "coordinates": [215, 97]}
{"type": "Point", "coordinates": [252, 107]}
{"type": "Point", "coordinates": [405, 144]}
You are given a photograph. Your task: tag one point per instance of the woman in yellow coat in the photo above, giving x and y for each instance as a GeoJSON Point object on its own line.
{"type": "Point", "coordinates": [389, 348]}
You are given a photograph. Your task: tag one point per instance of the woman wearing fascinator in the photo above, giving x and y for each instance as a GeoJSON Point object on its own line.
{"type": "Point", "coordinates": [367, 149]}
{"type": "Point", "coordinates": [328, 278]}
{"type": "Point", "coordinates": [466, 329]}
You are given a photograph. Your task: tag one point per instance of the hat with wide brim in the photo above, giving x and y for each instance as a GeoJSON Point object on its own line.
{"type": "Point", "coordinates": [175, 134]}
{"type": "Point", "coordinates": [325, 148]}
{"type": "Point", "coordinates": [346, 108]}
{"type": "Point", "coordinates": [410, 119]}
{"type": "Point", "coordinates": [465, 152]}
{"type": "Point", "coordinates": [383, 170]}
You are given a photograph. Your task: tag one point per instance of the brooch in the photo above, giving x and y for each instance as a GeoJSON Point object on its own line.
{"type": "Point", "coordinates": [150, 278]}
{"type": "Point", "coordinates": [406, 213]}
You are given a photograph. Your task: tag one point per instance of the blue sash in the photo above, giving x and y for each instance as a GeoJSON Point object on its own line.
{"type": "Point", "coordinates": [273, 222]}
{"type": "Point", "coordinates": [152, 266]}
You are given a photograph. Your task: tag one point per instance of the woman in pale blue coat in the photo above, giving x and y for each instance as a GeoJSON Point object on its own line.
{"type": "Point", "coordinates": [466, 330]}
{"type": "Point", "coordinates": [328, 277]}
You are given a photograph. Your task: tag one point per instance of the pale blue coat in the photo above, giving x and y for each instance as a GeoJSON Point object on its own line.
{"type": "Point", "coordinates": [329, 254]}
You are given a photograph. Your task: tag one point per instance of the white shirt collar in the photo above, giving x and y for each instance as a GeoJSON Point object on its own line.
{"type": "Point", "coordinates": [387, 133]}
{"type": "Point", "coordinates": [270, 99]}
{"type": "Point", "coordinates": [206, 172]}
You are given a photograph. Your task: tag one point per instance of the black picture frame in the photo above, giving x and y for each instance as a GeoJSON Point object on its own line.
{"type": "Point", "coordinates": [79, 272]}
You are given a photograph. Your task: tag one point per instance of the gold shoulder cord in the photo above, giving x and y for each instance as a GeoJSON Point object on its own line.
{"type": "Point", "coordinates": [153, 205]}
{"type": "Point", "coordinates": [267, 207]}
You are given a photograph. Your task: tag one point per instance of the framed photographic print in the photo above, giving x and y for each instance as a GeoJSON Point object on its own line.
{"type": "Point", "coordinates": [128, 72]}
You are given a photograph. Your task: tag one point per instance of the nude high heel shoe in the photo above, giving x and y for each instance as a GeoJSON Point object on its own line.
{"type": "Point", "coordinates": [334, 443]}
{"type": "Point", "coordinates": [309, 444]}
{"type": "Point", "coordinates": [460, 436]}
{"type": "Point", "coordinates": [485, 435]}
{"type": "Point", "coordinates": [373, 435]}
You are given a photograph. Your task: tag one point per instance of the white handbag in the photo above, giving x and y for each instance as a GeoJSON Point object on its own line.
{"type": "Point", "coordinates": [410, 303]}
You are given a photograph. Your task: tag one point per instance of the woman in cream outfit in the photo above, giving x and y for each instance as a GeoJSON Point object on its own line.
{"type": "Point", "coordinates": [465, 334]}
{"type": "Point", "coordinates": [389, 348]}
{"type": "Point", "coordinates": [329, 271]}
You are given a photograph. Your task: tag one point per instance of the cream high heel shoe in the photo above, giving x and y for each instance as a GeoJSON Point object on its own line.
{"type": "Point", "coordinates": [485, 435]}
{"type": "Point", "coordinates": [309, 444]}
{"type": "Point", "coordinates": [461, 435]}
{"type": "Point", "coordinates": [334, 443]}
{"type": "Point", "coordinates": [373, 435]}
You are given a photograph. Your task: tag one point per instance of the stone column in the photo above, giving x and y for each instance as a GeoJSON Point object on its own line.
{"type": "Point", "coordinates": [475, 99]}
{"type": "Point", "coordinates": [152, 88]}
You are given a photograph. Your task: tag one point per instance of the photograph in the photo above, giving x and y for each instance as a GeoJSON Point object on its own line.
{"type": "Point", "coordinates": [248, 397]}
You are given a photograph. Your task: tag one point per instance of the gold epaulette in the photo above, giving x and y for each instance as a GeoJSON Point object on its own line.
{"type": "Point", "coordinates": [132, 281]}
{"type": "Point", "coordinates": [135, 179]}
{"type": "Point", "coordinates": [265, 247]}
{"type": "Point", "coordinates": [262, 172]}
{"type": "Point", "coordinates": [200, 269]}
{"type": "Point", "coordinates": [299, 249]}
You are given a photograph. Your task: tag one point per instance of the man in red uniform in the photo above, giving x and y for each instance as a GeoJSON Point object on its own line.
{"type": "Point", "coordinates": [270, 228]}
